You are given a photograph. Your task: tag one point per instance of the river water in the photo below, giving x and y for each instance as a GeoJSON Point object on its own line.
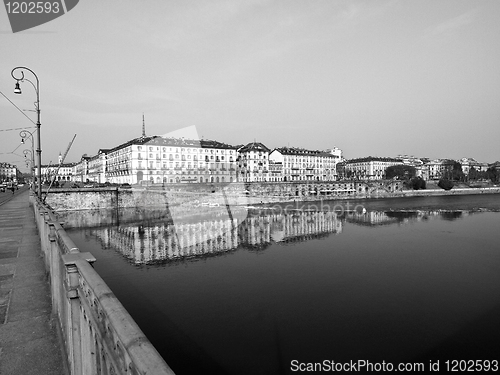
{"type": "Point", "coordinates": [395, 280]}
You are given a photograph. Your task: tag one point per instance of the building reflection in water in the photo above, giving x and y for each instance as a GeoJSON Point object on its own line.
{"type": "Point", "coordinates": [162, 241]}
{"type": "Point", "coordinates": [375, 218]}
{"type": "Point", "coordinates": [166, 241]}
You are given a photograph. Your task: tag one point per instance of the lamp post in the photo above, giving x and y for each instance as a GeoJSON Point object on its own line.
{"type": "Point", "coordinates": [17, 90]}
{"type": "Point", "coordinates": [30, 161]}
{"type": "Point", "coordinates": [25, 134]}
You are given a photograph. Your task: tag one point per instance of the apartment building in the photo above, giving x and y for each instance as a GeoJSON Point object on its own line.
{"type": "Point", "coordinates": [61, 173]}
{"type": "Point", "coordinates": [9, 172]}
{"type": "Point", "coordinates": [157, 159]}
{"type": "Point", "coordinates": [253, 162]}
{"type": "Point", "coordinates": [369, 168]}
{"type": "Point", "coordinates": [298, 164]}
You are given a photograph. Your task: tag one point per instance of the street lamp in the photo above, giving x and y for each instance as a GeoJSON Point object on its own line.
{"type": "Point", "coordinates": [30, 161]}
{"type": "Point", "coordinates": [25, 134]}
{"type": "Point", "coordinates": [17, 90]}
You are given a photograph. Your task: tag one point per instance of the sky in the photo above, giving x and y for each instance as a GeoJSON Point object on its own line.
{"type": "Point", "coordinates": [377, 77]}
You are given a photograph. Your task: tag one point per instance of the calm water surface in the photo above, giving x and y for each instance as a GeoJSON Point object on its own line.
{"type": "Point", "coordinates": [403, 281]}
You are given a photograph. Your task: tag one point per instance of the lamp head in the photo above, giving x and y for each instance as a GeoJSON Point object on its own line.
{"type": "Point", "coordinates": [17, 89]}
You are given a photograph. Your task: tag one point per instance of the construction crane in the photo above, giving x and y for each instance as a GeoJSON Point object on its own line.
{"type": "Point", "coordinates": [58, 167]}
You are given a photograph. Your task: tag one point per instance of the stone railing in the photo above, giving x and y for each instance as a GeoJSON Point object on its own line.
{"type": "Point", "coordinates": [100, 336]}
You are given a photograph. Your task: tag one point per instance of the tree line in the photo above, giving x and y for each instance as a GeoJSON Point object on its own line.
{"type": "Point", "coordinates": [451, 174]}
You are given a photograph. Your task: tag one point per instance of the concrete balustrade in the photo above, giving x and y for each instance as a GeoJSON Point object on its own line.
{"type": "Point", "coordinates": [100, 337]}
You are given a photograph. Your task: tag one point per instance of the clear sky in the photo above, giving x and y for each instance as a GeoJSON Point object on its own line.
{"type": "Point", "coordinates": [378, 77]}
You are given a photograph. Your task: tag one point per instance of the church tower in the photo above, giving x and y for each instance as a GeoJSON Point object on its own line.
{"type": "Point", "coordinates": [143, 126]}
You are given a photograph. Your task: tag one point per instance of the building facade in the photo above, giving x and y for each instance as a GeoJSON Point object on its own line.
{"type": "Point", "coordinates": [9, 172]}
{"type": "Point", "coordinates": [298, 164]}
{"type": "Point", "coordinates": [161, 160]}
{"type": "Point", "coordinates": [253, 162]}
{"type": "Point", "coordinates": [61, 173]}
{"type": "Point", "coordinates": [369, 168]}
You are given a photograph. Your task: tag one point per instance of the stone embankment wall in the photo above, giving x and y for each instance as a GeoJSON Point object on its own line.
{"type": "Point", "coordinates": [234, 194]}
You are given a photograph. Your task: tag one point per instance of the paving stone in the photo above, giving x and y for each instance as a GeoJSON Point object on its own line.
{"type": "Point", "coordinates": [30, 266]}
{"type": "Point", "coordinates": [8, 254]}
{"type": "Point", "coordinates": [4, 296]}
{"type": "Point", "coordinates": [38, 279]}
{"type": "Point", "coordinates": [3, 314]}
{"type": "Point", "coordinates": [5, 277]}
{"type": "Point", "coordinates": [41, 360]}
{"type": "Point", "coordinates": [27, 299]}
{"type": "Point", "coordinates": [7, 269]}
{"type": "Point", "coordinates": [19, 332]}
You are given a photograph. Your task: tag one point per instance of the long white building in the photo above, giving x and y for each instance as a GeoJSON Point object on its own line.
{"type": "Point", "coordinates": [157, 159]}
{"type": "Point", "coordinates": [369, 168]}
{"type": "Point", "coordinates": [298, 164]}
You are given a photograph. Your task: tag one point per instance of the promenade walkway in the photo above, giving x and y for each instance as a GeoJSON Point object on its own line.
{"type": "Point", "coordinates": [29, 342]}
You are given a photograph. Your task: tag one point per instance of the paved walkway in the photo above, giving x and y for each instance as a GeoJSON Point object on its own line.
{"type": "Point", "coordinates": [29, 342]}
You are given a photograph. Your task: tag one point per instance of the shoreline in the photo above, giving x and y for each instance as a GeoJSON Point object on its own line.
{"type": "Point", "coordinates": [378, 195]}
{"type": "Point", "coordinates": [103, 198]}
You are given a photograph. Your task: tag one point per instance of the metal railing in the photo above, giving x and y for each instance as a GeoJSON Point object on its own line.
{"type": "Point", "coordinates": [100, 336]}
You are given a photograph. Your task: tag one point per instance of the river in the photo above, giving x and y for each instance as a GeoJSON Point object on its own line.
{"type": "Point", "coordinates": [395, 280]}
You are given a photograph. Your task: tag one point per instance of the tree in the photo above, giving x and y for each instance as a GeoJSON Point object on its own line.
{"type": "Point", "coordinates": [400, 172]}
{"type": "Point", "coordinates": [417, 183]}
{"type": "Point", "coordinates": [456, 173]}
{"type": "Point", "coordinates": [493, 174]}
{"type": "Point", "coordinates": [445, 184]}
{"type": "Point", "coordinates": [473, 174]}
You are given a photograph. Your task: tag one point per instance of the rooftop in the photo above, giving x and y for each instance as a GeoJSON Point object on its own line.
{"type": "Point", "coordinates": [374, 158]}
{"type": "Point", "coordinates": [254, 146]}
{"type": "Point", "coordinates": [302, 152]}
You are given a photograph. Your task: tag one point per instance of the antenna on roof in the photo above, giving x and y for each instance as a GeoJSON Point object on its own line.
{"type": "Point", "coordinates": [143, 126]}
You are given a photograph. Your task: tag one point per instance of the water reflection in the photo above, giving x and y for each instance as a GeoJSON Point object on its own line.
{"type": "Point", "coordinates": [375, 218]}
{"type": "Point", "coordinates": [152, 237]}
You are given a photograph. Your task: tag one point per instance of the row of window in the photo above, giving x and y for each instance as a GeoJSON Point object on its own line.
{"type": "Point", "coordinates": [185, 157]}
{"type": "Point", "coordinates": [193, 150]}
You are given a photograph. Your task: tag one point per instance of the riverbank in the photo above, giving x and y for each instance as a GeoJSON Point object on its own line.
{"type": "Point", "coordinates": [396, 194]}
{"type": "Point", "coordinates": [240, 194]}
